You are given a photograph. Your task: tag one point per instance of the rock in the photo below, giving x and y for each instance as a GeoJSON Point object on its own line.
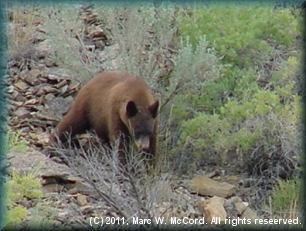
{"type": "Point", "coordinates": [164, 191]}
{"type": "Point", "coordinates": [31, 77]}
{"type": "Point", "coordinates": [48, 115]}
{"type": "Point", "coordinates": [63, 83]}
{"type": "Point", "coordinates": [56, 74]}
{"type": "Point", "coordinates": [21, 86]}
{"type": "Point", "coordinates": [22, 113]}
{"type": "Point", "coordinates": [49, 62]}
{"type": "Point", "coordinates": [42, 50]}
{"type": "Point", "coordinates": [59, 105]}
{"type": "Point", "coordinates": [31, 92]}
{"type": "Point", "coordinates": [86, 207]}
{"type": "Point", "coordinates": [41, 30]}
{"type": "Point", "coordinates": [213, 173]}
{"type": "Point", "coordinates": [43, 139]}
{"type": "Point", "coordinates": [31, 102]}
{"type": "Point", "coordinates": [249, 214]}
{"type": "Point", "coordinates": [38, 37]}
{"type": "Point", "coordinates": [99, 44]}
{"type": "Point", "coordinates": [32, 161]}
{"type": "Point", "coordinates": [18, 96]}
{"type": "Point", "coordinates": [49, 97]}
{"type": "Point", "coordinates": [97, 33]}
{"type": "Point", "coordinates": [17, 103]}
{"type": "Point", "coordinates": [90, 47]}
{"type": "Point", "coordinates": [52, 188]}
{"type": "Point", "coordinates": [10, 90]}
{"type": "Point", "coordinates": [36, 123]}
{"type": "Point", "coordinates": [46, 88]}
{"type": "Point", "coordinates": [81, 199]}
{"type": "Point", "coordinates": [204, 186]}
{"type": "Point", "coordinates": [56, 177]}
{"type": "Point", "coordinates": [35, 73]}
{"type": "Point", "coordinates": [85, 188]}
{"type": "Point", "coordinates": [231, 179]}
{"type": "Point", "coordinates": [78, 185]}
{"type": "Point", "coordinates": [212, 209]}
{"type": "Point", "coordinates": [109, 53]}
{"type": "Point", "coordinates": [236, 205]}
{"type": "Point", "coordinates": [70, 90]}
{"type": "Point", "coordinates": [73, 190]}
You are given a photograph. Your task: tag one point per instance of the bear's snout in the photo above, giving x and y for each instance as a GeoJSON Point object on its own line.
{"type": "Point", "coordinates": [143, 143]}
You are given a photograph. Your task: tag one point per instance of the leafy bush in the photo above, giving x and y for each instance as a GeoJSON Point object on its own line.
{"type": "Point", "coordinates": [241, 127]}
{"type": "Point", "coordinates": [288, 199]}
{"type": "Point", "coordinates": [254, 41]}
{"type": "Point", "coordinates": [19, 189]}
{"type": "Point", "coordinates": [244, 35]}
{"type": "Point", "coordinates": [16, 142]}
{"type": "Point", "coordinates": [252, 111]}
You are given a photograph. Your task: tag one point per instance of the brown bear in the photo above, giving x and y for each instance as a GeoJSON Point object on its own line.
{"type": "Point", "coordinates": [113, 104]}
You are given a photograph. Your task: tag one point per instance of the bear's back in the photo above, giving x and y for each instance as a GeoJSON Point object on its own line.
{"type": "Point", "coordinates": [108, 79]}
{"type": "Point", "coordinates": [134, 89]}
{"type": "Point", "coordinates": [119, 86]}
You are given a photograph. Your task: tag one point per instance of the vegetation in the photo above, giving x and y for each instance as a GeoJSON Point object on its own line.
{"type": "Point", "coordinates": [252, 110]}
{"type": "Point", "coordinates": [21, 33]}
{"type": "Point", "coordinates": [288, 199]}
{"type": "Point", "coordinates": [132, 190]}
{"type": "Point", "coordinates": [249, 118]}
{"type": "Point", "coordinates": [20, 188]}
{"type": "Point", "coordinates": [15, 142]}
{"type": "Point", "coordinates": [68, 49]}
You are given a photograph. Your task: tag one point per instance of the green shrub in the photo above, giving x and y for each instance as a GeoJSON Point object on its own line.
{"type": "Point", "coordinates": [15, 142]}
{"type": "Point", "coordinates": [287, 198]}
{"type": "Point", "coordinates": [237, 127]}
{"type": "Point", "coordinates": [244, 35]}
{"type": "Point", "coordinates": [241, 127]}
{"type": "Point", "coordinates": [19, 189]}
{"type": "Point", "coordinates": [253, 40]}
{"type": "Point", "coordinates": [250, 115]}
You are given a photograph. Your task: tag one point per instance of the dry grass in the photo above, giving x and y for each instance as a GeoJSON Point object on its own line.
{"type": "Point", "coordinates": [23, 23]}
{"type": "Point", "coordinates": [131, 190]}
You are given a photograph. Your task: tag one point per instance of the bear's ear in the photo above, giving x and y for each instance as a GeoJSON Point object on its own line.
{"type": "Point", "coordinates": [131, 109]}
{"type": "Point", "coordinates": [153, 108]}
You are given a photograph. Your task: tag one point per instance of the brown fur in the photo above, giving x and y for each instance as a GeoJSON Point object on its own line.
{"type": "Point", "coordinates": [103, 105]}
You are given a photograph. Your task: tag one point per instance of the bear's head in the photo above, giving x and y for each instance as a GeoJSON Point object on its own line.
{"type": "Point", "coordinates": [141, 123]}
